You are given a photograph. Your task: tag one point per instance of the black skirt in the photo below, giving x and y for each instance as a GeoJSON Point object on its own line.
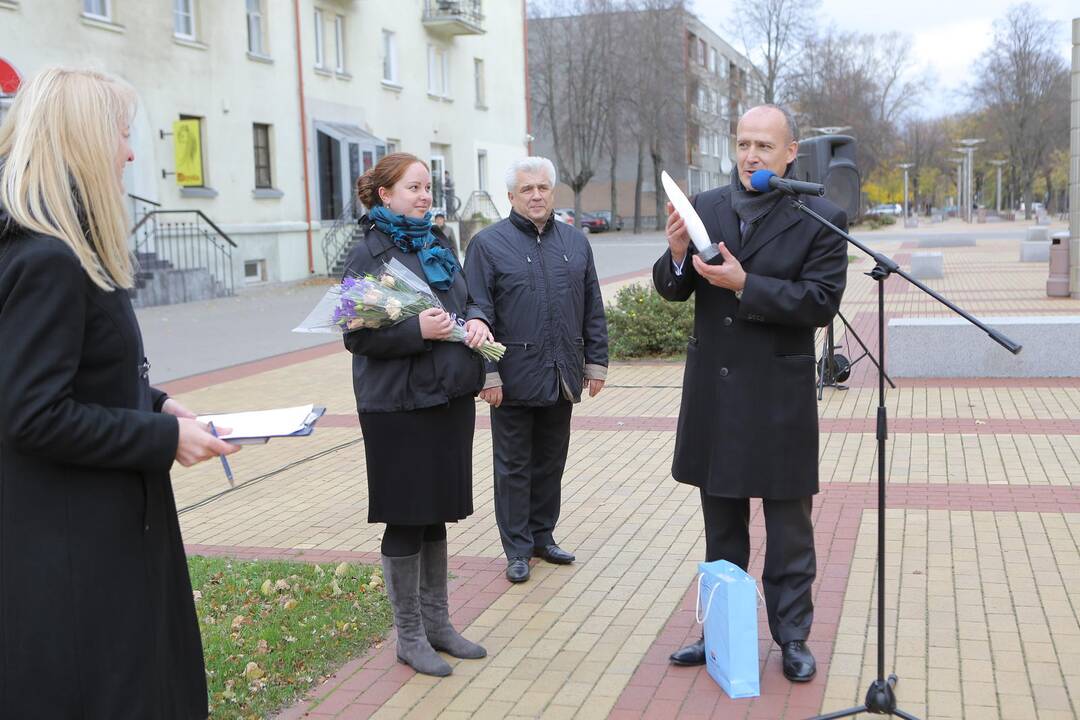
{"type": "Point", "coordinates": [419, 463]}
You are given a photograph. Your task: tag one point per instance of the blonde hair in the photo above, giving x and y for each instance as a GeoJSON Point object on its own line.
{"type": "Point", "coordinates": [58, 150]}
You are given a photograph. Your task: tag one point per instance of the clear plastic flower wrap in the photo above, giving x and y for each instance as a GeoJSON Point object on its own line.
{"type": "Point", "coordinates": [375, 302]}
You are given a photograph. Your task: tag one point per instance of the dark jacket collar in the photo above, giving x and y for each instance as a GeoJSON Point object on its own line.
{"type": "Point", "coordinates": [379, 242]}
{"type": "Point", "coordinates": [525, 225]}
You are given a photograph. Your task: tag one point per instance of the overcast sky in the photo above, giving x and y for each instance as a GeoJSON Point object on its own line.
{"type": "Point", "coordinates": [947, 35]}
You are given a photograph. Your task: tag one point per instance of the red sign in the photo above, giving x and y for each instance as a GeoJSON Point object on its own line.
{"type": "Point", "coordinates": [9, 78]}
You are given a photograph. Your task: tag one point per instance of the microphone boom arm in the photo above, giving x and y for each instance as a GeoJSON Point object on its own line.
{"type": "Point", "coordinates": [886, 266]}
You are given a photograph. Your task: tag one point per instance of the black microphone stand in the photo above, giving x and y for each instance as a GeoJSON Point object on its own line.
{"type": "Point", "coordinates": [881, 697]}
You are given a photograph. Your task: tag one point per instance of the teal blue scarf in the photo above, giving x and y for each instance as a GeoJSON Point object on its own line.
{"type": "Point", "coordinates": [414, 235]}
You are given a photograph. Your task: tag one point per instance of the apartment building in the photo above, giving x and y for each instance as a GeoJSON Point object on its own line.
{"type": "Point", "coordinates": [719, 83]}
{"type": "Point", "coordinates": [258, 115]}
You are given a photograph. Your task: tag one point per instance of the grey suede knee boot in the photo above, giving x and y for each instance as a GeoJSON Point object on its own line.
{"type": "Point", "coordinates": [435, 607]}
{"type": "Point", "coordinates": [403, 587]}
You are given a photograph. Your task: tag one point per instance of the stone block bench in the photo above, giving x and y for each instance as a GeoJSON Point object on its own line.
{"type": "Point", "coordinates": [927, 265]}
{"type": "Point", "coordinates": [952, 347]}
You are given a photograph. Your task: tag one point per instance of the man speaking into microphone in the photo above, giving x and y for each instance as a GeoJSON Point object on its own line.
{"type": "Point", "coordinates": [748, 423]}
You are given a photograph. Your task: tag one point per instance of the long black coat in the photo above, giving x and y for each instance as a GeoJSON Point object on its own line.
{"type": "Point", "coordinates": [96, 612]}
{"type": "Point", "coordinates": [395, 368]}
{"type": "Point", "coordinates": [748, 425]}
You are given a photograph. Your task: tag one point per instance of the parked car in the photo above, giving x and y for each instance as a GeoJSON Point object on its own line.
{"type": "Point", "coordinates": [593, 223]}
{"type": "Point", "coordinates": [615, 224]}
{"type": "Point", "coordinates": [565, 215]}
{"type": "Point", "coordinates": [887, 209]}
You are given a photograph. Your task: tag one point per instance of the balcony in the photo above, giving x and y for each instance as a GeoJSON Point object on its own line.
{"type": "Point", "coordinates": [454, 17]}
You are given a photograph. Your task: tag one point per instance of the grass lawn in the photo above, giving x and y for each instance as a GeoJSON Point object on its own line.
{"type": "Point", "coordinates": [271, 630]}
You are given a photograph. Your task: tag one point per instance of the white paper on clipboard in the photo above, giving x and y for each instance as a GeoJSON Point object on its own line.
{"type": "Point", "coordinates": [694, 226]}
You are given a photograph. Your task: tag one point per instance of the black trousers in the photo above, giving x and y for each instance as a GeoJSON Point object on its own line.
{"type": "Point", "coordinates": [529, 448]}
{"type": "Point", "coordinates": [790, 561]}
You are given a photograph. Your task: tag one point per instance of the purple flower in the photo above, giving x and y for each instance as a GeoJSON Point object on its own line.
{"type": "Point", "coordinates": [348, 306]}
{"type": "Point", "coordinates": [348, 283]}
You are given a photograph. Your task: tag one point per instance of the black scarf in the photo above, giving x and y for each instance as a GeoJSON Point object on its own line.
{"type": "Point", "coordinates": [751, 205]}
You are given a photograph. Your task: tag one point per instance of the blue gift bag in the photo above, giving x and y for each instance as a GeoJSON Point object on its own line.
{"type": "Point", "coordinates": [729, 598]}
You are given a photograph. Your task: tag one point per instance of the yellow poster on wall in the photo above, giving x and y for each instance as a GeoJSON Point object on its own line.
{"type": "Point", "coordinates": [187, 145]}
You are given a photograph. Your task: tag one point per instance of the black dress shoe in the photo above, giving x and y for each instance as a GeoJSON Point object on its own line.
{"type": "Point", "coordinates": [517, 570]}
{"type": "Point", "coordinates": [554, 554]}
{"type": "Point", "coordinates": [799, 664]}
{"type": "Point", "coordinates": [693, 654]}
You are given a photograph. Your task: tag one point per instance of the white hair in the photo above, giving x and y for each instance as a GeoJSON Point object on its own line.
{"type": "Point", "coordinates": [529, 165]}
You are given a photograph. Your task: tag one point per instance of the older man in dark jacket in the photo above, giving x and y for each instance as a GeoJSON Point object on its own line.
{"type": "Point", "coordinates": [534, 279]}
{"type": "Point", "coordinates": [748, 423]}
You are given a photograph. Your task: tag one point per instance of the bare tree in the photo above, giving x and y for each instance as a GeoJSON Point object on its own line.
{"type": "Point", "coordinates": [863, 81]}
{"type": "Point", "coordinates": [923, 143]}
{"type": "Point", "coordinates": [657, 104]}
{"type": "Point", "coordinates": [1022, 86]}
{"type": "Point", "coordinates": [770, 31]}
{"type": "Point", "coordinates": [568, 42]}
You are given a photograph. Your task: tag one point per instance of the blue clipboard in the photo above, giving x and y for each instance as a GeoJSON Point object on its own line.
{"type": "Point", "coordinates": [309, 427]}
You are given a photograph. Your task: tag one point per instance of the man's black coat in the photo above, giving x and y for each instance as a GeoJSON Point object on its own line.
{"type": "Point", "coordinates": [542, 297]}
{"type": "Point", "coordinates": [748, 425]}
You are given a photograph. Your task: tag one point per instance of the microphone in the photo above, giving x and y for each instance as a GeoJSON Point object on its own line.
{"type": "Point", "coordinates": [765, 180]}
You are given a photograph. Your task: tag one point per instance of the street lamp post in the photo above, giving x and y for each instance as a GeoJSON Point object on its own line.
{"type": "Point", "coordinates": [969, 146]}
{"type": "Point", "coordinates": [960, 161]}
{"type": "Point", "coordinates": [904, 167]}
{"type": "Point", "coordinates": [998, 164]}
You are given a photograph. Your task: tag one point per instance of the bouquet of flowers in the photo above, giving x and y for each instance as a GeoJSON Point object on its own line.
{"type": "Point", "coordinates": [374, 302]}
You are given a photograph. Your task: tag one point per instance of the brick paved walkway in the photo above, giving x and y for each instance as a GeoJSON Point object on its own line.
{"type": "Point", "coordinates": [983, 537]}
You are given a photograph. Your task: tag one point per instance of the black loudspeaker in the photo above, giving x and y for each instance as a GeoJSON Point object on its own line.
{"type": "Point", "coordinates": [830, 161]}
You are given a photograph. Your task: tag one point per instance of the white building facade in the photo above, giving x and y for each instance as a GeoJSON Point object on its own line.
{"type": "Point", "coordinates": [290, 101]}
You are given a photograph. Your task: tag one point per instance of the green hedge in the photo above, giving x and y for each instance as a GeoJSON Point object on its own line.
{"type": "Point", "coordinates": [643, 324]}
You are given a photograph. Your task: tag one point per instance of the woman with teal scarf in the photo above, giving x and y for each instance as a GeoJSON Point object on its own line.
{"type": "Point", "coordinates": [415, 395]}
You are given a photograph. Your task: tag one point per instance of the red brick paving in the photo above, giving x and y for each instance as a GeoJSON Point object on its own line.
{"type": "Point", "coordinates": [837, 514]}
{"type": "Point", "coordinates": [830, 425]}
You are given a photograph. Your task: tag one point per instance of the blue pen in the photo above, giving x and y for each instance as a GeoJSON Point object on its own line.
{"type": "Point", "coordinates": [224, 460]}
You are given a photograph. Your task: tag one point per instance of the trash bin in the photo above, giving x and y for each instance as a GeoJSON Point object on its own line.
{"type": "Point", "coordinates": [1058, 283]}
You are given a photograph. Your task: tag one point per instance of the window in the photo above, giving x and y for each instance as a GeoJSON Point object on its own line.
{"type": "Point", "coordinates": [691, 45]}
{"type": "Point", "coordinates": [97, 9]}
{"type": "Point", "coordinates": [263, 177]}
{"type": "Point", "coordinates": [712, 59]}
{"type": "Point", "coordinates": [478, 77]}
{"type": "Point", "coordinates": [254, 271]}
{"type": "Point", "coordinates": [702, 50]}
{"type": "Point", "coordinates": [339, 43]}
{"type": "Point", "coordinates": [481, 170]}
{"type": "Point", "coordinates": [184, 19]}
{"type": "Point", "coordinates": [438, 71]}
{"type": "Point", "coordinates": [694, 181]}
{"type": "Point", "coordinates": [389, 63]}
{"type": "Point", "coordinates": [255, 29]}
{"type": "Point", "coordinates": [320, 45]}
{"type": "Point", "coordinates": [392, 146]}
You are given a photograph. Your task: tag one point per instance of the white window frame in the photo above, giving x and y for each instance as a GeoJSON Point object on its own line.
{"type": "Point", "coordinates": [712, 59]}
{"type": "Point", "coordinates": [256, 29]}
{"type": "Point", "coordinates": [106, 6]}
{"type": "Point", "coordinates": [480, 82]}
{"type": "Point", "coordinates": [320, 40]}
{"type": "Point", "coordinates": [339, 43]}
{"type": "Point", "coordinates": [179, 13]}
{"type": "Point", "coordinates": [390, 60]}
{"type": "Point", "coordinates": [481, 170]}
{"type": "Point", "coordinates": [438, 71]}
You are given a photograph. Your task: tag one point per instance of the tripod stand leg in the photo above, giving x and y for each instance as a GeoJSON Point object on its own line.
{"type": "Point", "coordinates": [866, 350]}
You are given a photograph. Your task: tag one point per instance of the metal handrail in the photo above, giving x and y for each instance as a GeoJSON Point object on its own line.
{"type": "Point", "coordinates": [201, 215]}
{"type": "Point", "coordinates": [340, 233]}
{"type": "Point", "coordinates": [195, 244]}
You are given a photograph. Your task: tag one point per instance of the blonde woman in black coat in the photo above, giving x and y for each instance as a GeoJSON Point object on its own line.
{"type": "Point", "coordinates": [96, 612]}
